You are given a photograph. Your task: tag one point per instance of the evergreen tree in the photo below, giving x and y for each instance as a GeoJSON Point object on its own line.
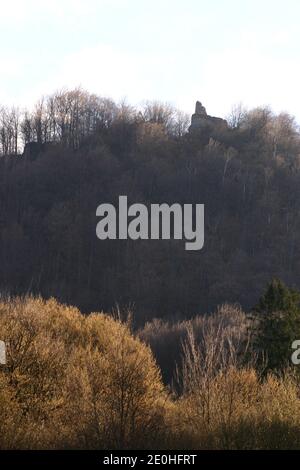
{"type": "Point", "coordinates": [278, 323]}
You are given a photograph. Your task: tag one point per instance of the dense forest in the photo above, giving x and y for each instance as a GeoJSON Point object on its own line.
{"type": "Point", "coordinates": [195, 350]}
{"type": "Point", "coordinates": [75, 150]}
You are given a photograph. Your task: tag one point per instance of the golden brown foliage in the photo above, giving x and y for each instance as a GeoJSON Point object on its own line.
{"type": "Point", "coordinates": [226, 404]}
{"type": "Point", "coordinates": [76, 381]}
{"type": "Point", "coordinates": [86, 382]}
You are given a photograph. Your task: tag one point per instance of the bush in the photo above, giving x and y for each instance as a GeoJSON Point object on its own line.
{"type": "Point", "coordinates": [86, 382]}
{"type": "Point", "coordinates": [77, 381]}
{"type": "Point", "coordinates": [227, 404]}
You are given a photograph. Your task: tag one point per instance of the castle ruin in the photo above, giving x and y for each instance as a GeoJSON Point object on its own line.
{"type": "Point", "coordinates": [202, 121]}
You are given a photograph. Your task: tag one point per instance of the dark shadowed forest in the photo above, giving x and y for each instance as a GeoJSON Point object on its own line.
{"type": "Point", "coordinates": [76, 150]}
{"type": "Point", "coordinates": [196, 348]}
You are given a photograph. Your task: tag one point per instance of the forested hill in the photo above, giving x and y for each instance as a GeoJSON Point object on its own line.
{"type": "Point", "coordinates": [82, 150]}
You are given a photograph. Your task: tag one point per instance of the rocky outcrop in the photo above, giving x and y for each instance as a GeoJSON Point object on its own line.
{"type": "Point", "coordinates": [202, 121]}
{"type": "Point", "coordinates": [33, 149]}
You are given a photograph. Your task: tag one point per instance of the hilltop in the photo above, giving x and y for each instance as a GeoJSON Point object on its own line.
{"type": "Point", "coordinates": [82, 150]}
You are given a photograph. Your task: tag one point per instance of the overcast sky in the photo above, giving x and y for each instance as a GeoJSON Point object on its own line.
{"type": "Point", "coordinates": [218, 51]}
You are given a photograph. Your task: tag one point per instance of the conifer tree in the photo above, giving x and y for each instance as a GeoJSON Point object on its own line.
{"type": "Point", "coordinates": [278, 323]}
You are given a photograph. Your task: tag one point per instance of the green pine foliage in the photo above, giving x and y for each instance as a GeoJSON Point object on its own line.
{"type": "Point", "coordinates": [278, 323]}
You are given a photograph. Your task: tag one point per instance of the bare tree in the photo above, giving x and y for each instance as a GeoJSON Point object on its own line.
{"type": "Point", "coordinates": [9, 130]}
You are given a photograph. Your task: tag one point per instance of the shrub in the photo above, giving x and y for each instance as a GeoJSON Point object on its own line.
{"type": "Point", "coordinates": [77, 381]}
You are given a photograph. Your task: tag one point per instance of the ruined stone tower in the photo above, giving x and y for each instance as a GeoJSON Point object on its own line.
{"type": "Point", "coordinates": [202, 121]}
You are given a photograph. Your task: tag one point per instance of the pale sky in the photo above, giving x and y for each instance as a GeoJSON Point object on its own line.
{"type": "Point", "coordinates": [220, 52]}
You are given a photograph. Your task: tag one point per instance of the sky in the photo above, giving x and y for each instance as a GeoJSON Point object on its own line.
{"type": "Point", "coordinates": [221, 52]}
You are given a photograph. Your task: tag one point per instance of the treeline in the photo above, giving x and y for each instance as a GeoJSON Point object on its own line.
{"type": "Point", "coordinates": [82, 150]}
{"type": "Point", "coordinates": [87, 382]}
{"type": "Point", "coordinates": [265, 335]}
{"type": "Point", "coordinates": [70, 117]}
